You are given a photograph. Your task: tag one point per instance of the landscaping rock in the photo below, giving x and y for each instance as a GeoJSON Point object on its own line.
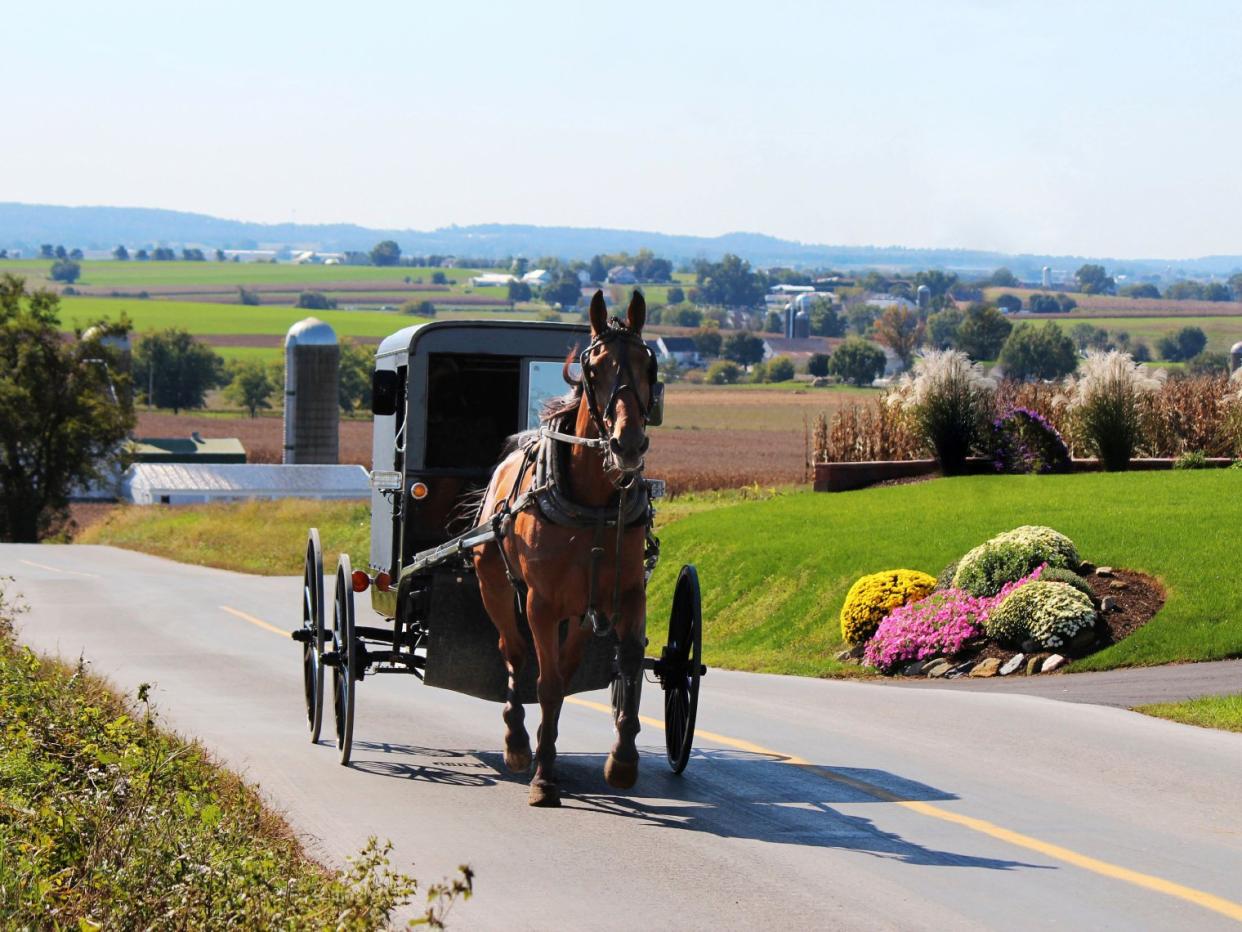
{"type": "Point", "coordinates": [1085, 568]}
{"type": "Point", "coordinates": [1118, 584]}
{"type": "Point", "coordinates": [1108, 604]}
{"type": "Point", "coordinates": [1012, 664]}
{"type": "Point", "coordinates": [820, 382]}
{"type": "Point", "coordinates": [1052, 663]}
{"type": "Point", "coordinates": [937, 668]}
{"type": "Point", "coordinates": [988, 666]}
{"type": "Point", "coordinates": [1034, 663]}
{"type": "Point", "coordinates": [1103, 571]}
{"type": "Point", "coordinates": [1030, 646]}
{"type": "Point", "coordinates": [852, 653]}
{"type": "Point", "coordinates": [914, 669]}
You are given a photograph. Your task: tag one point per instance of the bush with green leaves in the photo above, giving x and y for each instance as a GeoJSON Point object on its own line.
{"type": "Point", "coordinates": [949, 401]}
{"type": "Point", "coordinates": [1192, 460]}
{"type": "Point", "coordinates": [1009, 556]}
{"type": "Point", "coordinates": [1105, 402]}
{"type": "Point", "coordinates": [723, 372]}
{"type": "Point", "coordinates": [945, 579]}
{"type": "Point", "coordinates": [1069, 577]}
{"type": "Point", "coordinates": [1049, 613]}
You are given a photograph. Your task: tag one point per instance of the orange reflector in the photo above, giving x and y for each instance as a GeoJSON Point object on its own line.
{"type": "Point", "coordinates": [383, 582]}
{"type": "Point", "coordinates": [418, 490]}
{"type": "Point", "coordinates": [362, 581]}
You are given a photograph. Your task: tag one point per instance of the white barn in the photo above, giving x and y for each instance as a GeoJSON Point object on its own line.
{"type": "Point", "coordinates": [198, 483]}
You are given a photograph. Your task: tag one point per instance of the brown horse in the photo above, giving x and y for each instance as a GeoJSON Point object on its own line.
{"type": "Point", "coordinates": [553, 562]}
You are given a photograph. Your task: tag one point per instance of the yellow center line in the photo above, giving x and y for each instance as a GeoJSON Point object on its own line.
{"type": "Point", "coordinates": [57, 569]}
{"type": "Point", "coordinates": [1200, 898]}
{"type": "Point", "coordinates": [257, 622]}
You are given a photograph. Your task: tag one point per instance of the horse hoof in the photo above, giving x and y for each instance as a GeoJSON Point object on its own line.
{"type": "Point", "coordinates": [544, 795]}
{"type": "Point", "coordinates": [518, 761]}
{"type": "Point", "coordinates": [620, 774]}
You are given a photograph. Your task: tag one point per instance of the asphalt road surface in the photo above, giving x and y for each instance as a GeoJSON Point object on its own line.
{"type": "Point", "coordinates": [808, 804]}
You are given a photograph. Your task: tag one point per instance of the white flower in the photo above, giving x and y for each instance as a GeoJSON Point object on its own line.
{"type": "Point", "coordinates": [1111, 373]}
{"type": "Point", "coordinates": [938, 371]}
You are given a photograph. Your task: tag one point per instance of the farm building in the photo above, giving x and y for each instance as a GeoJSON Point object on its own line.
{"type": "Point", "coordinates": [195, 484]}
{"type": "Point", "coordinates": [492, 280]}
{"type": "Point", "coordinates": [681, 349]}
{"type": "Point", "coordinates": [192, 449]}
{"type": "Point", "coordinates": [799, 350]}
{"type": "Point", "coordinates": [538, 277]}
{"type": "Point", "coordinates": [622, 275]}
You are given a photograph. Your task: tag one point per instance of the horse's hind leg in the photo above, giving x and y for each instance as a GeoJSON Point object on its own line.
{"type": "Point", "coordinates": [621, 767]}
{"type": "Point", "coordinates": [502, 609]}
{"type": "Point", "coordinates": [544, 788]}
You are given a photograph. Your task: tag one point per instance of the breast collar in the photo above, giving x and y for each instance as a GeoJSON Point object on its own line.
{"type": "Point", "coordinates": [549, 493]}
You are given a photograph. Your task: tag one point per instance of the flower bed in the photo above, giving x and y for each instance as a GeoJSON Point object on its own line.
{"type": "Point", "coordinates": [1022, 602]}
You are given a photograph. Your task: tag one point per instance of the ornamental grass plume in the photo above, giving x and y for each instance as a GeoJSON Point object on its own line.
{"type": "Point", "coordinates": [1105, 401]}
{"type": "Point", "coordinates": [949, 400]}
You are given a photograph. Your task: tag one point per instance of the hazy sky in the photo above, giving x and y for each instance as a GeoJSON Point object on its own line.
{"type": "Point", "coordinates": [1096, 128]}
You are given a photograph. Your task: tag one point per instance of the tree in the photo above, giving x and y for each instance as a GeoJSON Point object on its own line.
{"type": "Point", "coordinates": [519, 291]}
{"type": "Point", "coordinates": [1184, 291]}
{"type": "Point", "coordinates": [1092, 279]}
{"type": "Point", "coordinates": [1038, 352]}
{"type": "Point", "coordinates": [46, 251]}
{"type": "Point", "coordinates": [1208, 363]}
{"type": "Point", "coordinates": [817, 365]}
{"type": "Point", "coordinates": [193, 255]}
{"type": "Point", "coordinates": [597, 269]}
{"type": "Point", "coordinates": [942, 328]}
{"type": "Point", "coordinates": [66, 270]}
{"type": "Point", "coordinates": [676, 295]}
{"type": "Point", "coordinates": [688, 317]}
{"type": "Point", "coordinates": [939, 283]}
{"type": "Point", "coordinates": [780, 369]}
{"type": "Point", "coordinates": [66, 412]}
{"type": "Point", "coordinates": [857, 361]}
{"type": "Point", "coordinates": [1003, 278]}
{"type": "Point", "coordinates": [220, 256]}
{"type": "Point", "coordinates": [1235, 284]}
{"type": "Point", "coordinates": [901, 330]}
{"type": "Point", "coordinates": [861, 316]}
{"type": "Point", "coordinates": [419, 308]}
{"type": "Point", "coordinates": [439, 278]}
{"type": "Point", "coordinates": [121, 254]}
{"type": "Point", "coordinates": [982, 332]}
{"type": "Point", "coordinates": [1217, 291]}
{"type": "Point", "coordinates": [61, 253]}
{"type": "Point", "coordinates": [76, 254]}
{"type": "Point", "coordinates": [354, 377]}
{"type": "Point", "coordinates": [825, 321]}
{"type": "Point", "coordinates": [774, 323]}
{"type": "Point", "coordinates": [1144, 290]}
{"type": "Point", "coordinates": [252, 385]}
{"type": "Point", "coordinates": [248, 297]}
{"type": "Point", "coordinates": [565, 291]}
{"type": "Point", "coordinates": [385, 253]}
{"type": "Point", "coordinates": [1191, 341]}
{"type": "Point", "coordinates": [174, 370]}
{"type": "Point", "coordinates": [647, 268]}
{"type": "Point", "coordinates": [519, 266]}
{"type": "Point", "coordinates": [730, 283]}
{"type": "Point", "coordinates": [707, 341]}
{"type": "Point", "coordinates": [315, 301]}
{"type": "Point", "coordinates": [1010, 303]}
{"type": "Point", "coordinates": [742, 347]}
{"type": "Point", "coordinates": [141, 255]}
{"type": "Point", "coordinates": [723, 372]}
{"type": "Point", "coordinates": [1086, 336]}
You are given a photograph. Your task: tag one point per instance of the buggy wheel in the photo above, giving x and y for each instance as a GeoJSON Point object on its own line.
{"type": "Point", "coordinates": [313, 634]}
{"type": "Point", "coordinates": [345, 669]}
{"type": "Point", "coordinates": [681, 666]}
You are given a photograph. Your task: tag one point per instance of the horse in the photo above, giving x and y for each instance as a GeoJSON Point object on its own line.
{"type": "Point", "coordinates": [560, 571]}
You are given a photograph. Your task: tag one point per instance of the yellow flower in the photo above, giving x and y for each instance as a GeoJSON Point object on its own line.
{"type": "Point", "coordinates": [875, 595]}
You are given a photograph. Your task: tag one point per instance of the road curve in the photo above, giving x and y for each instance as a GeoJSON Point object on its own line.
{"type": "Point", "coordinates": [808, 803]}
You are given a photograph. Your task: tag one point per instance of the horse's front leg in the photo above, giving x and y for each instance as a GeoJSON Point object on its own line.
{"type": "Point", "coordinates": [544, 627]}
{"type": "Point", "coordinates": [621, 768]}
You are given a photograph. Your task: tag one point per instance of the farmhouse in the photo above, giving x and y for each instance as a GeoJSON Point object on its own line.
{"type": "Point", "coordinates": [195, 483]}
{"type": "Point", "coordinates": [679, 349]}
{"type": "Point", "coordinates": [622, 275]}
{"type": "Point", "coordinates": [799, 350]}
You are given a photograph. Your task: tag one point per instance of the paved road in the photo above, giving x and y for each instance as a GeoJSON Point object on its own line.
{"type": "Point", "coordinates": [808, 804]}
{"type": "Point", "coordinates": [1124, 689]}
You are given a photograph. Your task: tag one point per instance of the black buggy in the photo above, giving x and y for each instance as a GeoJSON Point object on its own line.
{"type": "Point", "coordinates": [446, 395]}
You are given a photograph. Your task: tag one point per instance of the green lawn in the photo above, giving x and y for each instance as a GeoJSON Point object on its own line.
{"type": "Point", "coordinates": [1224, 712]}
{"type": "Point", "coordinates": [206, 319]}
{"type": "Point", "coordinates": [136, 275]}
{"type": "Point", "coordinates": [774, 573]}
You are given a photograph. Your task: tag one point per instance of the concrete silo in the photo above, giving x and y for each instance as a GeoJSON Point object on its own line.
{"type": "Point", "coordinates": [1045, 277]}
{"type": "Point", "coordinates": [923, 295]}
{"type": "Point", "coordinates": [1235, 357]}
{"type": "Point", "coordinates": [109, 345]}
{"type": "Point", "coordinates": [312, 413]}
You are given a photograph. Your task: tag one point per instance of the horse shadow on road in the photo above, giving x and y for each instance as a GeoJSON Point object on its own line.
{"type": "Point", "coordinates": [729, 794]}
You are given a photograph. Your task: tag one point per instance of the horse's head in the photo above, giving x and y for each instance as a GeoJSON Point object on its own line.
{"type": "Point", "coordinates": [619, 375]}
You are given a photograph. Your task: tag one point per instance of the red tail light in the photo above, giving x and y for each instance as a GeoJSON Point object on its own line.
{"type": "Point", "coordinates": [383, 582]}
{"type": "Point", "coordinates": [362, 582]}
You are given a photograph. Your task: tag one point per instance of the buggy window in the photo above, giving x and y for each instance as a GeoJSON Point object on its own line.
{"type": "Point", "coordinates": [471, 408]}
{"type": "Point", "coordinates": [545, 381]}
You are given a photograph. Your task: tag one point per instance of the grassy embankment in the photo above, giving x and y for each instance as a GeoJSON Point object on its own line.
{"type": "Point", "coordinates": [775, 568]}
{"type": "Point", "coordinates": [108, 821]}
{"type": "Point", "coordinates": [1223, 712]}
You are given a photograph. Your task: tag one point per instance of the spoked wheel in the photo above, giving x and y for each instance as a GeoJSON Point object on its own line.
{"type": "Point", "coordinates": [681, 666]}
{"type": "Point", "coordinates": [312, 634]}
{"type": "Point", "coordinates": [345, 649]}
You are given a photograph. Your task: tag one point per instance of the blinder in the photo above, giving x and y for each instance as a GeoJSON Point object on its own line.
{"type": "Point", "coordinates": [653, 411]}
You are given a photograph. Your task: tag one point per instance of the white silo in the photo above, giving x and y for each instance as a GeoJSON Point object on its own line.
{"type": "Point", "coordinates": [1235, 357]}
{"type": "Point", "coordinates": [1045, 277]}
{"type": "Point", "coordinates": [109, 345]}
{"type": "Point", "coordinates": [923, 296]}
{"type": "Point", "coordinates": [312, 413]}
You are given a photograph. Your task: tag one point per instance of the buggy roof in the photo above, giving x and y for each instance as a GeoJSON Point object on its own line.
{"type": "Point", "coordinates": [501, 337]}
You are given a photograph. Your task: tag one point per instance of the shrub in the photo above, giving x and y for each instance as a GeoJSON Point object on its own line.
{"type": "Point", "coordinates": [945, 579]}
{"type": "Point", "coordinates": [857, 361]}
{"type": "Point", "coordinates": [315, 301]}
{"type": "Point", "coordinates": [1007, 557]}
{"type": "Point", "coordinates": [1069, 577]}
{"type": "Point", "coordinates": [1024, 442]}
{"type": "Point", "coordinates": [1039, 352]}
{"type": "Point", "coordinates": [1050, 613]}
{"type": "Point", "coordinates": [948, 401]}
{"type": "Point", "coordinates": [1192, 460]}
{"type": "Point", "coordinates": [939, 625]}
{"type": "Point", "coordinates": [1105, 403]}
{"type": "Point", "coordinates": [420, 309]}
{"type": "Point", "coordinates": [817, 364]}
{"type": "Point", "coordinates": [723, 372]}
{"type": "Point", "coordinates": [780, 369]}
{"type": "Point", "coordinates": [875, 595]}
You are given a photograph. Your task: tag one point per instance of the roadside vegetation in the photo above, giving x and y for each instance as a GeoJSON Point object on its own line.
{"type": "Point", "coordinates": [109, 821]}
{"type": "Point", "coordinates": [1223, 712]}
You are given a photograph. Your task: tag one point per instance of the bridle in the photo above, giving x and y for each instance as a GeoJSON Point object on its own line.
{"type": "Point", "coordinates": [604, 418]}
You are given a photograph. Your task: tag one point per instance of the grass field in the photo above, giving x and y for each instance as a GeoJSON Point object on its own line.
{"type": "Point", "coordinates": [774, 573]}
{"type": "Point", "coordinates": [208, 319]}
{"type": "Point", "coordinates": [138, 275]}
{"type": "Point", "coordinates": [1113, 305]}
{"type": "Point", "coordinates": [1222, 332]}
{"type": "Point", "coordinates": [1224, 712]}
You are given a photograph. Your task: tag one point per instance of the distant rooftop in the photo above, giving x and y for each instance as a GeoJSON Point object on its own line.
{"type": "Point", "coordinates": [192, 449]}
